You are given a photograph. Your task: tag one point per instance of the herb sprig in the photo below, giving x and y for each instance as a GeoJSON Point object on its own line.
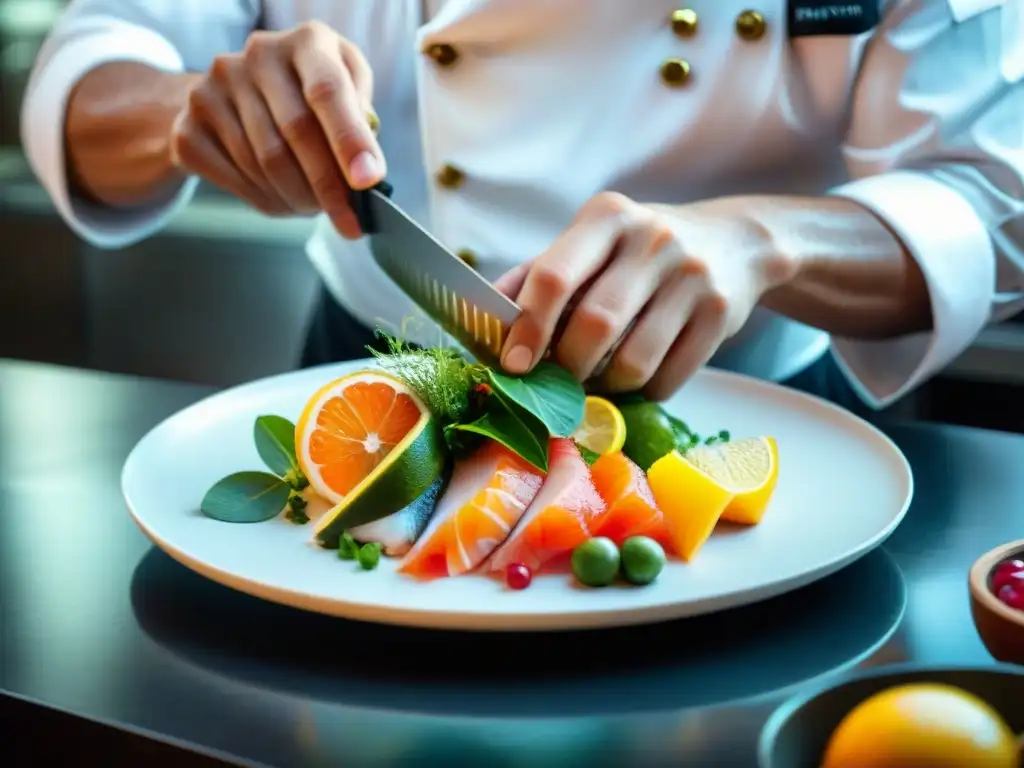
{"type": "Point", "coordinates": [252, 497]}
{"type": "Point", "coordinates": [473, 400]}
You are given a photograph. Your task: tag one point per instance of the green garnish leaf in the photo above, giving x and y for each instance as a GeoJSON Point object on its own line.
{"type": "Point", "coordinates": [348, 548]}
{"type": "Point", "coordinates": [525, 436]}
{"type": "Point", "coordinates": [275, 443]}
{"type": "Point", "coordinates": [548, 392]}
{"type": "Point", "coordinates": [440, 376]}
{"type": "Point", "coordinates": [369, 556]}
{"type": "Point", "coordinates": [588, 455]}
{"type": "Point", "coordinates": [246, 497]}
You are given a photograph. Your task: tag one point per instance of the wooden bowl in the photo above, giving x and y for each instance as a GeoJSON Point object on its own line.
{"type": "Point", "coordinates": [798, 732]}
{"type": "Point", "coordinates": [1001, 628]}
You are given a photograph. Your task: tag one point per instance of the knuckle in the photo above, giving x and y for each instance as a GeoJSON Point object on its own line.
{"type": "Point", "coordinates": [300, 128]}
{"type": "Point", "coordinates": [609, 204]}
{"type": "Point", "coordinates": [310, 31]}
{"type": "Point", "coordinates": [690, 266]}
{"type": "Point", "coordinates": [659, 237]}
{"type": "Point", "coordinates": [324, 90]}
{"type": "Point", "coordinates": [272, 156]}
{"type": "Point", "coordinates": [630, 373]}
{"type": "Point", "coordinates": [222, 69]}
{"type": "Point", "coordinates": [258, 47]}
{"type": "Point", "coordinates": [549, 281]}
{"type": "Point", "coordinates": [715, 303]}
{"type": "Point", "coordinates": [198, 100]}
{"type": "Point", "coordinates": [600, 319]}
{"type": "Point", "coordinates": [181, 145]}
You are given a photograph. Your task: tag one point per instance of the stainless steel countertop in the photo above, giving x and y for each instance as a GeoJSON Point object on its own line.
{"type": "Point", "coordinates": [97, 623]}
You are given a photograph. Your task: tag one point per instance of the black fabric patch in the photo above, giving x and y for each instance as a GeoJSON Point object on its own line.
{"type": "Point", "coordinates": [832, 17]}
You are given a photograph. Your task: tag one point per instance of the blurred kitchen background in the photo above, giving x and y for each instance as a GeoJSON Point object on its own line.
{"type": "Point", "coordinates": [222, 295]}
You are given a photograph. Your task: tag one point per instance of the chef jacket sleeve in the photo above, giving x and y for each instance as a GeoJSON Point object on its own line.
{"type": "Point", "coordinates": [935, 149]}
{"type": "Point", "coordinates": [170, 35]}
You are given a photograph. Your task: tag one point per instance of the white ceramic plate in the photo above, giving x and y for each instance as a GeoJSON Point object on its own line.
{"type": "Point", "coordinates": [843, 488]}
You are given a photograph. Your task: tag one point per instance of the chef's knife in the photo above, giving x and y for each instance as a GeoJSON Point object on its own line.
{"type": "Point", "coordinates": [453, 294]}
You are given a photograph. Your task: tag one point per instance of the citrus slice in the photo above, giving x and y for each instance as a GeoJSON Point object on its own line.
{"type": "Point", "coordinates": [603, 430]}
{"type": "Point", "coordinates": [691, 502]}
{"type": "Point", "coordinates": [749, 468]}
{"type": "Point", "coordinates": [369, 445]}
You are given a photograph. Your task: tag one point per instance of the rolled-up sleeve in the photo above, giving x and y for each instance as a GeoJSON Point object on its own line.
{"type": "Point", "coordinates": [935, 149]}
{"type": "Point", "coordinates": [169, 35]}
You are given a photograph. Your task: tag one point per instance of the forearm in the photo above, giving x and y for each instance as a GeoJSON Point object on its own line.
{"type": "Point", "coordinates": [848, 274]}
{"type": "Point", "coordinates": [117, 133]}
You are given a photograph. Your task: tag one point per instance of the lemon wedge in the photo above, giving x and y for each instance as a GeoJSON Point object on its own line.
{"type": "Point", "coordinates": [603, 430]}
{"type": "Point", "coordinates": [748, 468]}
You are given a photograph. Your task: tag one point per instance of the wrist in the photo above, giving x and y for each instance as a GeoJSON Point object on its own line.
{"type": "Point", "coordinates": [752, 227]}
{"type": "Point", "coordinates": [118, 130]}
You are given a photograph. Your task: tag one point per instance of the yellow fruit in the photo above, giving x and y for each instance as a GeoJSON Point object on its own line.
{"type": "Point", "coordinates": [603, 430]}
{"type": "Point", "coordinates": [922, 725]}
{"type": "Point", "coordinates": [690, 500]}
{"type": "Point", "coordinates": [749, 468]}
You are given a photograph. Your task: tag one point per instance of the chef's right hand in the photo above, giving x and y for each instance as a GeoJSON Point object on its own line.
{"type": "Point", "coordinates": [287, 125]}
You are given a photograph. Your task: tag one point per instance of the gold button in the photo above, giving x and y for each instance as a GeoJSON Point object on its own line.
{"type": "Point", "coordinates": [373, 120]}
{"type": "Point", "coordinates": [468, 256]}
{"type": "Point", "coordinates": [684, 22]}
{"type": "Point", "coordinates": [750, 25]}
{"type": "Point", "coordinates": [450, 177]}
{"type": "Point", "coordinates": [675, 72]}
{"type": "Point", "coordinates": [443, 54]}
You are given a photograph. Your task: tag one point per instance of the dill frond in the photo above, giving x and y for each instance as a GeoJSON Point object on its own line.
{"type": "Point", "coordinates": [440, 376]}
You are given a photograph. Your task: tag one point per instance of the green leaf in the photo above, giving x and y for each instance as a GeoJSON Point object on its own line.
{"type": "Point", "coordinates": [275, 443]}
{"type": "Point", "coordinates": [246, 497]}
{"type": "Point", "coordinates": [588, 455]}
{"type": "Point", "coordinates": [548, 392]}
{"type": "Point", "coordinates": [501, 423]}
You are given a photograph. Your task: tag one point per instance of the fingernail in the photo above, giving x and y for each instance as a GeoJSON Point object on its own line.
{"type": "Point", "coordinates": [365, 171]}
{"type": "Point", "coordinates": [518, 359]}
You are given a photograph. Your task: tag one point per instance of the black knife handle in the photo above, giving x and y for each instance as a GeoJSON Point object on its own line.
{"type": "Point", "coordinates": [360, 202]}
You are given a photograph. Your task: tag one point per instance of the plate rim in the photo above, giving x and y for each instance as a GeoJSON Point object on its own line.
{"type": "Point", "coordinates": [522, 621]}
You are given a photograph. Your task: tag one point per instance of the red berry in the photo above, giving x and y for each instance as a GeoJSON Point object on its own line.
{"type": "Point", "coordinates": [518, 576]}
{"type": "Point", "coordinates": [1012, 596]}
{"type": "Point", "coordinates": [1008, 572]}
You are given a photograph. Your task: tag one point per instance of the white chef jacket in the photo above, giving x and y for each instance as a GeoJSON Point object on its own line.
{"type": "Point", "coordinates": [921, 120]}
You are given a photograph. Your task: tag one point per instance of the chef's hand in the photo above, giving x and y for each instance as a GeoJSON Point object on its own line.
{"type": "Point", "coordinates": [677, 281]}
{"type": "Point", "coordinates": [285, 125]}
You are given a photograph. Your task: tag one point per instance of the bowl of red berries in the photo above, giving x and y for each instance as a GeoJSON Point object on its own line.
{"type": "Point", "coordinates": [997, 601]}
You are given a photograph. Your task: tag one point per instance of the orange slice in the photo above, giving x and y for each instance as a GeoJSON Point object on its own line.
{"type": "Point", "coordinates": [350, 426]}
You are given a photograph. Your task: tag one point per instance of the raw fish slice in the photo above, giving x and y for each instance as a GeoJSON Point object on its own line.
{"type": "Point", "coordinates": [398, 532]}
{"type": "Point", "coordinates": [560, 516]}
{"type": "Point", "coordinates": [486, 497]}
{"type": "Point", "coordinates": [631, 509]}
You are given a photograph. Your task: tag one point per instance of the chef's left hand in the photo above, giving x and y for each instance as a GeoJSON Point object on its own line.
{"type": "Point", "coordinates": [684, 277]}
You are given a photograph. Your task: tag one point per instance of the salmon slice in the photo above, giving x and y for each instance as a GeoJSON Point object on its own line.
{"type": "Point", "coordinates": [487, 495]}
{"type": "Point", "coordinates": [560, 516]}
{"type": "Point", "coordinates": [631, 509]}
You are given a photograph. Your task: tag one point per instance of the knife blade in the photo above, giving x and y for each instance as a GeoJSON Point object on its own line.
{"type": "Point", "coordinates": [449, 291]}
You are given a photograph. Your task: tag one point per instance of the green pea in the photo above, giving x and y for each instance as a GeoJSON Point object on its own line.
{"type": "Point", "coordinates": [642, 559]}
{"type": "Point", "coordinates": [348, 548]}
{"type": "Point", "coordinates": [595, 563]}
{"type": "Point", "coordinates": [369, 556]}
